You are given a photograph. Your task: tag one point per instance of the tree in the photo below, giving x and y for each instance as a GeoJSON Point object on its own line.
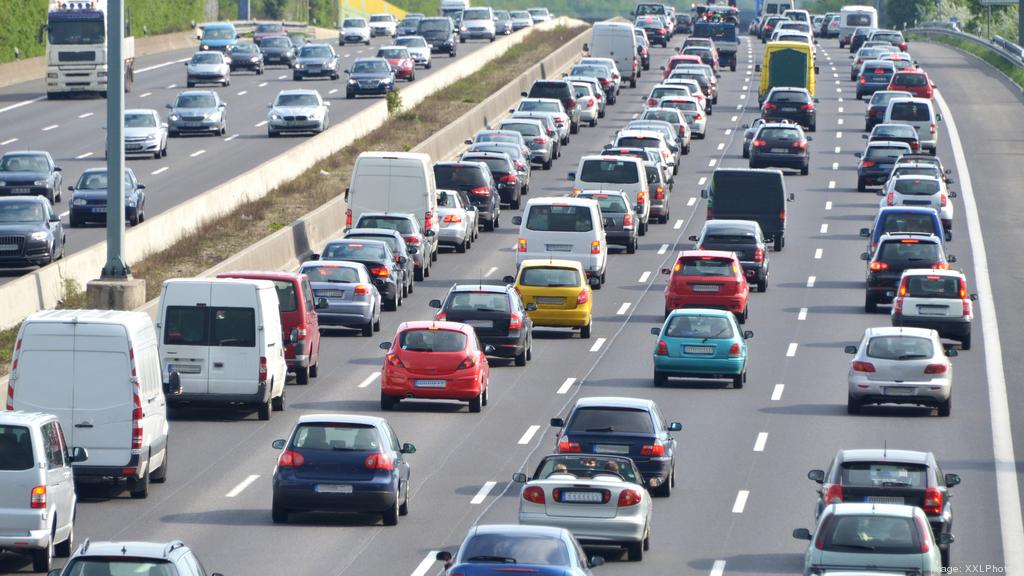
{"type": "Point", "coordinates": [274, 9]}
{"type": "Point", "coordinates": [900, 13]}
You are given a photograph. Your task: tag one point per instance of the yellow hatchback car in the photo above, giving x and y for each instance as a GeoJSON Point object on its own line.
{"type": "Point", "coordinates": [560, 291]}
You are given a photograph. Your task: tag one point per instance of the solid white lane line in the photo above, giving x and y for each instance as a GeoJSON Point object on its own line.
{"type": "Point", "coordinates": [368, 380]}
{"type": "Point", "coordinates": [243, 92]}
{"type": "Point", "coordinates": [824, 229]}
{"type": "Point", "coordinates": [810, 281]}
{"type": "Point", "coordinates": [777, 392]}
{"type": "Point", "coordinates": [51, 127]}
{"type": "Point", "coordinates": [158, 171]}
{"type": "Point", "coordinates": [691, 201]}
{"type": "Point", "coordinates": [678, 224]}
{"type": "Point", "coordinates": [83, 156]}
{"type": "Point", "coordinates": [703, 180]}
{"type": "Point", "coordinates": [622, 309]}
{"type": "Point", "coordinates": [242, 485]}
{"type": "Point", "coordinates": [197, 153]}
{"type": "Point", "coordinates": [482, 494]}
{"type": "Point", "coordinates": [490, 271]}
{"type": "Point", "coordinates": [1010, 518]}
{"type": "Point", "coordinates": [528, 435]}
{"type": "Point", "coordinates": [230, 138]}
{"type": "Point", "coordinates": [818, 252]}
{"type": "Point", "coordinates": [831, 184]}
{"type": "Point", "coordinates": [791, 350]}
{"type": "Point", "coordinates": [426, 564]}
{"type": "Point", "coordinates": [644, 277]}
{"type": "Point", "coordinates": [835, 165]}
{"type": "Point", "coordinates": [566, 385]}
{"type": "Point", "coordinates": [741, 502]}
{"type": "Point", "coordinates": [712, 162]}
{"type": "Point", "coordinates": [597, 344]}
{"type": "Point", "coordinates": [261, 124]}
{"type": "Point", "coordinates": [762, 438]}
{"type": "Point", "coordinates": [20, 104]}
{"type": "Point", "coordinates": [718, 568]}
{"type": "Point", "coordinates": [662, 249]}
{"type": "Point", "coordinates": [86, 115]}
{"type": "Point", "coordinates": [163, 65]}
{"type": "Point", "coordinates": [261, 85]}
{"type": "Point", "coordinates": [721, 145]}
{"type": "Point", "coordinates": [8, 141]}
{"type": "Point", "coordinates": [828, 205]}
{"type": "Point", "coordinates": [145, 95]}
{"type": "Point", "coordinates": [802, 315]}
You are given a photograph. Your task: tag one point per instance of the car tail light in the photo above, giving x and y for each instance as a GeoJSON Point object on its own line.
{"type": "Point", "coordinates": [361, 290]}
{"type": "Point", "coordinates": [629, 497]}
{"type": "Point", "coordinates": [136, 418]}
{"type": "Point", "coordinates": [932, 127]}
{"type": "Point", "coordinates": [515, 322]}
{"type": "Point", "coordinates": [656, 449]}
{"type": "Point", "coordinates": [863, 80]}
{"type": "Point", "coordinates": [935, 369]}
{"type": "Point", "coordinates": [534, 494]}
{"type": "Point", "coordinates": [634, 63]}
{"type": "Point", "coordinates": [380, 271]}
{"type": "Point", "coordinates": [467, 363]}
{"type": "Point", "coordinates": [659, 193]}
{"type": "Point", "coordinates": [453, 219]}
{"type": "Point", "coordinates": [522, 244]}
{"type": "Point", "coordinates": [393, 360]}
{"type": "Point", "coordinates": [758, 143]}
{"type": "Point", "coordinates": [782, 215]}
{"type": "Point", "coordinates": [770, 106]}
{"type": "Point", "coordinates": [627, 220]}
{"type": "Point", "coordinates": [348, 218]}
{"type": "Point", "coordinates": [605, 82]}
{"type": "Point", "coordinates": [878, 266]}
{"type": "Point", "coordinates": [38, 497]}
{"type": "Point", "coordinates": [710, 214]}
{"type": "Point", "coordinates": [940, 266]}
{"type": "Point", "coordinates": [734, 350]}
{"type": "Point", "coordinates": [662, 348]}
{"type": "Point", "coordinates": [441, 316]}
{"type": "Point", "coordinates": [652, 101]}
{"type": "Point", "coordinates": [944, 200]}
{"type": "Point", "coordinates": [595, 247]}
{"type": "Point", "coordinates": [868, 164]}
{"type": "Point", "coordinates": [903, 46]}
{"type": "Point", "coordinates": [565, 445]}
{"type": "Point", "coordinates": [263, 370]}
{"type": "Point", "coordinates": [508, 179]}
{"type": "Point", "coordinates": [519, 165]}
{"type": "Point", "coordinates": [428, 220]}
{"type": "Point", "coordinates": [290, 459]}
{"type": "Point", "coordinates": [897, 304]}
{"type": "Point", "coordinates": [540, 140]}
{"type": "Point", "coordinates": [964, 297]}
{"type": "Point", "coordinates": [14, 368]}
{"type": "Point", "coordinates": [890, 199]}
{"type": "Point", "coordinates": [932, 501]}
{"type": "Point", "coordinates": [379, 461]}
{"type": "Point", "coordinates": [859, 366]}
{"type": "Point", "coordinates": [480, 191]}
{"type": "Point", "coordinates": [411, 239]}
{"type": "Point", "coordinates": [915, 146]}
{"type": "Point", "coordinates": [809, 107]}
{"type": "Point", "coordinates": [873, 111]}
{"type": "Point", "coordinates": [591, 102]}
{"type": "Point", "coordinates": [550, 131]}
{"type": "Point", "coordinates": [923, 529]}
{"type": "Point", "coordinates": [559, 121]}
{"type": "Point", "coordinates": [583, 297]}
{"type": "Point", "coordinates": [801, 144]}
{"type": "Point", "coordinates": [759, 255]}
{"type": "Point", "coordinates": [641, 197]}
{"type": "Point", "coordinates": [833, 494]}
{"type": "Point", "coordinates": [698, 116]}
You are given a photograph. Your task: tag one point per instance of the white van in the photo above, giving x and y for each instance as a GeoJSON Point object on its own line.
{"type": "Point", "coordinates": [398, 183]}
{"type": "Point", "coordinates": [564, 228]}
{"type": "Point", "coordinates": [477, 22]}
{"type": "Point", "coordinates": [221, 339]}
{"type": "Point", "coordinates": [615, 40]}
{"type": "Point", "coordinates": [99, 372]}
{"type": "Point", "coordinates": [771, 7]}
{"type": "Point", "coordinates": [853, 17]}
{"type": "Point", "coordinates": [919, 113]}
{"type": "Point", "coordinates": [621, 173]}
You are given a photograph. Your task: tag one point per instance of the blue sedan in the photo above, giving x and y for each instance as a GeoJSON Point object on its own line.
{"type": "Point", "coordinates": [498, 548]}
{"type": "Point", "coordinates": [342, 463]}
{"type": "Point", "coordinates": [701, 343]}
{"type": "Point", "coordinates": [89, 198]}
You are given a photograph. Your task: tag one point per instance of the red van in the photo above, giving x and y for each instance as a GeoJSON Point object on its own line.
{"type": "Point", "coordinates": [298, 312]}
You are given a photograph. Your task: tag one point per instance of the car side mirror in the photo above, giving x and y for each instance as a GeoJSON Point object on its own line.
{"type": "Point", "coordinates": [430, 233]}
{"type": "Point", "coordinates": [792, 196]}
{"type": "Point", "coordinates": [517, 220]}
{"type": "Point", "coordinates": [950, 180]}
{"type": "Point", "coordinates": [974, 297]}
{"type": "Point", "coordinates": [168, 106]}
{"type": "Point", "coordinates": [864, 136]}
{"type": "Point", "coordinates": [952, 353]}
{"type": "Point", "coordinates": [595, 561]}
{"type": "Point", "coordinates": [408, 448]}
{"type": "Point", "coordinates": [443, 556]}
{"type": "Point", "coordinates": [402, 260]}
{"type": "Point", "coordinates": [952, 480]}
{"type": "Point", "coordinates": [951, 258]}
{"type": "Point", "coordinates": [817, 476]}
{"type": "Point", "coordinates": [938, 117]}
{"type": "Point", "coordinates": [523, 94]}
{"type": "Point", "coordinates": [508, 279]}
{"type": "Point", "coordinates": [946, 538]}
{"type": "Point", "coordinates": [384, 345]}
{"type": "Point", "coordinates": [467, 142]}
{"type": "Point", "coordinates": [173, 386]}
{"type": "Point", "coordinates": [279, 444]}
{"type": "Point", "coordinates": [519, 478]}
{"type": "Point", "coordinates": [571, 176]}
{"type": "Point", "coordinates": [557, 422]}
{"type": "Point", "coordinates": [865, 256]}
{"type": "Point", "coordinates": [58, 169]}
{"type": "Point", "coordinates": [594, 281]}
{"type": "Point", "coordinates": [346, 71]}
{"type": "Point", "coordinates": [511, 110]}
{"type": "Point", "coordinates": [704, 193]}
{"type": "Point", "coordinates": [858, 154]}
{"type": "Point", "coordinates": [952, 194]}
{"type": "Point", "coordinates": [850, 349]}
{"type": "Point", "coordinates": [140, 186]}
{"type": "Point", "coordinates": [880, 192]}
{"type": "Point", "coordinates": [746, 126]}
{"type": "Point", "coordinates": [757, 68]}
{"type": "Point", "coordinates": [586, 47]}
{"type": "Point", "coordinates": [675, 427]}
{"type": "Point", "coordinates": [810, 138]}
{"type": "Point", "coordinates": [79, 454]}
{"type": "Point", "coordinates": [802, 534]}
{"type": "Point", "coordinates": [655, 331]}
{"type": "Point", "coordinates": [748, 334]}
{"type": "Point", "coordinates": [865, 232]}
{"type": "Point", "coordinates": [531, 307]}
{"type": "Point", "coordinates": [435, 303]}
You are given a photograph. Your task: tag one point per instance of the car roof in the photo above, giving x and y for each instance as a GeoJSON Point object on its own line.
{"type": "Point", "coordinates": [640, 134]}
{"type": "Point", "coordinates": [615, 402]}
{"type": "Point", "coordinates": [336, 418]}
{"type": "Point", "coordinates": [357, 241]}
{"type": "Point", "coordinates": [492, 288]}
{"type": "Point", "coordinates": [888, 144]}
{"type": "Point", "coordinates": [467, 156]}
{"type": "Point", "coordinates": [707, 253]}
{"type": "Point", "coordinates": [22, 418]}
{"type": "Point", "coordinates": [930, 272]}
{"type": "Point", "coordinates": [898, 331]}
{"type": "Point", "coordinates": [884, 454]}
{"type": "Point", "coordinates": [298, 92]}
{"type": "Point", "coordinates": [16, 199]}
{"type": "Point", "coordinates": [331, 264]}
{"type": "Point", "coordinates": [521, 119]}
{"type": "Point", "coordinates": [136, 549]}
{"type": "Point", "coordinates": [930, 177]}
{"type": "Point", "coordinates": [261, 275]}
{"type": "Point", "coordinates": [518, 530]}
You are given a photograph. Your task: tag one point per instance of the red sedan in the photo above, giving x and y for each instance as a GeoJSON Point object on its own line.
{"type": "Point", "coordinates": [400, 60]}
{"type": "Point", "coordinates": [707, 279]}
{"type": "Point", "coordinates": [914, 81]}
{"type": "Point", "coordinates": [435, 360]}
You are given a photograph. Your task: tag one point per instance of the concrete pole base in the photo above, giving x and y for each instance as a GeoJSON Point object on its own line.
{"type": "Point", "coordinates": [116, 294]}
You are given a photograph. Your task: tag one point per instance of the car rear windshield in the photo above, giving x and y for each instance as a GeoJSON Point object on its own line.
{"type": "Point", "coordinates": [638, 142]}
{"type": "Point", "coordinates": [454, 175]}
{"type": "Point", "coordinates": [687, 326]}
{"type": "Point", "coordinates": [883, 153]}
{"type": "Point", "coordinates": [333, 274]}
{"type": "Point", "coordinates": [401, 225]}
{"type": "Point", "coordinates": [917, 187]}
{"type": "Point", "coordinates": [496, 137]}
{"type": "Point", "coordinates": [353, 251]}
{"type": "Point", "coordinates": [779, 133]}
{"type": "Point", "coordinates": [667, 91]}
{"type": "Point", "coordinates": [670, 116]}
{"type": "Point", "coordinates": [888, 37]}
{"type": "Point", "coordinates": [391, 241]}
{"type": "Point", "coordinates": [336, 437]}
{"type": "Point", "coordinates": [600, 419]}
{"type": "Point", "coordinates": [210, 326]}
{"type": "Point", "coordinates": [893, 131]}
{"type": "Point", "coordinates": [900, 348]}
{"type": "Point", "coordinates": [684, 105]}
{"type": "Point", "coordinates": [911, 112]}
{"type": "Point", "coordinates": [535, 106]}
{"type": "Point", "coordinates": [609, 171]}
{"type": "Point", "coordinates": [523, 549]}
{"type": "Point", "coordinates": [117, 566]}
{"type": "Point", "coordinates": [497, 165]}
{"type": "Point", "coordinates": [556, 218]}
{"type": "Point", "coordinates": [478, 302]}
{"type": "Point", "coordinates": [915, 171]}
{"type": "Point", "coordinates": [706, 266]}
{"type": "Point", "coordinates": [592, 71]}
{"type": "Point", "coordinates": [790, 96]}
{"type": "Point", "coordinates": [870, 534]}
{"type": "Point", "coordinates": [909, 80]}
{"type": "Point", "coordinates": [548, 90]}
{"type": "Point", "coordinates": [524, 129]}
{"type": "Point", "coordinates": [580, 91]}
{"type": "Point", "coordinates": [609, 203]}
{"type": "Point", "coordinates": [754, 189]}
{"type": "Point", "coordinates": [933, 286]}
{"type": "Point", "coordinates": [543, 277]}
{"type": "Point", "coordinates": [906, 252]}
{"type": "Point", "coordinates": [895, 223]}
{"type": "Point", "coordinates": [15, 448]}
{"type": "Point", "coordinates": [884, 475]}
{"type": "Point", "coordinates": [424, 340]}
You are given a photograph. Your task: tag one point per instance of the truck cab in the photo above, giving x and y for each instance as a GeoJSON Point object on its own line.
{"type": "Point", "coordinates": [76, 48]}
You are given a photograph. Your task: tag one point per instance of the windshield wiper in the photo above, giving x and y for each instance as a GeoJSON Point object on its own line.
{"type": "Point", "coordinates": [720, 333]}
{"type": "Point", "coordinates": [854, 546]}
{"type": "Point", "coordinates": [502, 559]}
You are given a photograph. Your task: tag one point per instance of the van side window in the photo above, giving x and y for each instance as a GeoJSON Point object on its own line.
{"type": "Point", "coordinates": [233, 327]}
{"type": "Point", "coordinates": [51, 446]}
{"type": "Point", "coordinates": [15, 448]}
{"type": "Point", "coordinates": [307, 292]}
{"type": "Point", "coordinates": [185, 326]}
{"type": "Point", "coordinates": [287, 300]}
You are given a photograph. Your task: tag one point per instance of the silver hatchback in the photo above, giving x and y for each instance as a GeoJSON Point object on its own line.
{"type": "Point", "coordinates": [459, 220]}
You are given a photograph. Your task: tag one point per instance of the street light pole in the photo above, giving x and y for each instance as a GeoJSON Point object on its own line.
{"type": "Point", "coordinates": [115, 267]}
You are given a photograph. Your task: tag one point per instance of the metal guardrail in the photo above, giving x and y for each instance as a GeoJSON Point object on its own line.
{"type": "Point", "coordinates": [1009, 51]}
{"type": "Point", "coordinates": [244, 27]}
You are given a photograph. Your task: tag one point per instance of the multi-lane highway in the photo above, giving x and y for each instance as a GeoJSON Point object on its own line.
{"type": "Point", "coordinates": [72, 130]}
{"type": "Point", "coordinates": [744, 454]}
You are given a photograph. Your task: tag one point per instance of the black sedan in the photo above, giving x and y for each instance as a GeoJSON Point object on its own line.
{"type": "Point", "coordinates": [504, 172]}
{"type": "Point", "coordinates": [278, 50]}
{"type": "Point", "coordinates": [475, 179]}
{"type": "Point", "coordinates": [89, 198]}
{"type": "Point", "coordinates": [794, 104]}
{"type": "Point", "coordinates": [385, 268]}
{"type": "Point", "coordinates": [30, 173]}
{"type": "Point", "coordinates": [496, 314]}
{"type": "Point", "coordinates": [369, 76]}
{"type": "Point", "coordinates": [30, 232]}
{"type": "Point", "coordinates": [781, 145]}
{"type": "Point", "coordinates": [876, 162]}
{"type": "Point", "coordinates": [397, 244]}
{"type": "Point", "coordinates": [247, 56]}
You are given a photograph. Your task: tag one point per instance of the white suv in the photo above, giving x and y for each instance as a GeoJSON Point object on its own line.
{"type": "Point", "coordinates": [134, 558]}
{"type": "Point", "coordinates": [921, 190]}
{"type": "Point", "coordinates": [936, 299]}
{"type": "Point", "coordinates": [383, 25]}
{"type": "Point", "coordinates": [37, 487]}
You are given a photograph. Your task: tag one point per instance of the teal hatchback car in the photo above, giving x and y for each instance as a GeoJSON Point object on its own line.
{"type": "Point", "coordinates": [701, 343]}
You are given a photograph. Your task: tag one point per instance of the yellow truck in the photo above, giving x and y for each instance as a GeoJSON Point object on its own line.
{"type": "Point", "coordinates": [788, 64]}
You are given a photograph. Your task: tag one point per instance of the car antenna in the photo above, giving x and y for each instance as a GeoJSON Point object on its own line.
{"type": "Point", "coordinates": [885, 449]}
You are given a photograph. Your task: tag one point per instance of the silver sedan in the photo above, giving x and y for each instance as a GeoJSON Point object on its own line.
{"type": "Point", "coordinates": [458, 220]}
{"type": "Point", "coordinates": [144, 133]}
{"type": "Point", "coordinates": [210, 67]}
{"type": "Point", "coordinates": [894, 365]}
{"type": "Point", "coordinates": [298, 111]}
{"type": "Point", "coordinates": [345, 295]}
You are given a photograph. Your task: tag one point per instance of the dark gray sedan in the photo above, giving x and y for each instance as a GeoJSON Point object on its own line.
{"type": "Point", "coordinates": [278, 50]}
{"type": "Point", "coordinates": [30, 232]}
{"type": "Point", "coordinates": [619, 218]}
{"type": "Point", "coordinates": [384, 267]}
{"type": "Point", "coordinates": [30, 173]}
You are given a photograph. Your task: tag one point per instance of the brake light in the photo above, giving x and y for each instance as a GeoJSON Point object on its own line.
{"type": "Point", "coordinates": [480, 191]}
{"type": "Point", "coordinates": [290, 459]}
{"type": "Point", "coordinates": [897, 304]}
{"type": "Point", "coordinates": [348, 218]}
{"type": "Point", "coordinates": [641, 197]}
{"type": "Point", "coordinates": [361, 290]}
{"type": "Point", "coordinates": [698, 116]}
{"type": "Point", "coordinates": [940, 266]}
{"type": "Point", "coordinates": [734, 350]}
{"type": "Point", "coordinates": [540, 140]}
{"type": "Point", "coordinates": [380, 272]}
{"type": "Point", "coordinates": [932, 127]}
{"type": "Point", "coordinates": [656, 449]}
{"type": "Point", "coordinates": [428, 221]}
{"type": "Point", "coordinates": [770, 106]}
{"type": "Point", "coordinates": [572, 103]}
{"type": "Point", "coordinates": [935, 369]}
{"type": "Point", "coordinates": [566, 445]}
{"type": "Point", "coordinates": [522, 244]}
{"type": "Point", "coordinates": [890, 199]}
{"type": "Point", "coordinates": [932, 501]}
{"type": "Point", "coordinates": [629, 497]}
{"type": "Point", "coordinates": [515, 322]}
{"type": "Point", "coordinates": [550, 131]}
{"type": "Point", "coordinates": [591, 102]}
{"type": "Point", "coordinates": [534, 494]}
{"type": "Point", "coordinates": [809, 107]}
{"type": "Point", "coordinates": [782, 216]}
{"type": "Point", "coordinates": [441, 316]}
{"type": "Point", "coordinates": [453, 219]}
{"type": "Point", "coordinates": [914, 146]}
{"type": "Point", "coordinates": [507, 179]}
{"type": "Point", "coordinates": [801, 144]}
{"type": "Point", "coordinates": [559, 121]}
{"type": "Point", "coordinates": [759, 255]}
{"type": "Point", "coordinates": [944, 199]}
{"type": "Point", "coordinates": [874, 111]}
{"type": "Point", "coordinates": [659, 194]}
{"type": "Point", "coordinates": [964, 297]}
{"type": "Point", "coordinates": [758, 143]}
{"type": "Point", "coordinates": [903, 46]}
{"type": "Point", "coordinates": [634, 63]}
{"type": "Point", "coordinates": [595, 247]}
{"type": "Point", "coordinates": [467, 363]}
{"type": "Point", "coordinates": [605, 82]}
{"type": "Point", "coordinates": [868, 163]}
{"type": "Point", "coordinates": [411, 239]}
{"type": "Point", "coordinates": [662, 348]}
{"type": "Point", "coordinates": [627, 220]}
{"type": "Point", "coordinates": [922, 528]}
{"type": "Point", "coordinates": [136, 419]}
{"type": "Point", "coordinates": [263, 370]}
{"type": "Point", "coordinates": [859, 366]}
{"type": "Point", "coordinates": [863, 80]}
{"type": "Point", "coordinates": [38, 498]}
{"type": "Point", "coordinates": [878, 266]}
{"type": "Point", "coordinates": [834, 494]}
{"type": "Point", "coordinates": [379, 461]}
{"type": "Point", "coordinates": [583, 297]}
{"type": "Point", "coordinates": [652, 101]}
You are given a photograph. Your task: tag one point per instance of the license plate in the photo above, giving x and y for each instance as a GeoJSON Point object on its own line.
{"type": "Point", "coordinates": [611, 449]}
{"type": "Point", "coordinates": [99, 210]}
{"type": "Point", "coordinates": [481, 323]}
{"type": "Point", "coordinates": [780, 150]}
{"type": "Point", "coordinates": [581, 497]}
{"type": "Point", "coordinates": [184, 368]}
{"type": "Point", "coordinates": [927, 310]}
{"type": "Point", "coordinates": [8, 247]}
{"type": "Point", "coordinates": [898, 391]}
{"type": "Point", "coordinates": [431, 383]}
{"type": "Point", "coordinates": [192, 124]}
{"type": "Point", "coordinates": [705, 287]}
{"type": "Point", "coordinates": [558, 247]}
{"type": "Point", "coordinates": [131, 147]}
{"type": "Point", "coordinates": [21, 190]}
{"type": "Point", "coordinates": [550, 300]}
{"type": "Point", "coordinates": [333, 488]}
{"type": "Point", "coordinates": [884, 499]}
{"type": "Point", "coordinates": [699, 349]}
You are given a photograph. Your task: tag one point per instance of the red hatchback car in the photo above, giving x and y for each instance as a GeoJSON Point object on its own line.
{"type": "Point", "coordinates": [680, 59]}
{"type": "Point", "coordinates": [435, 360]}
{"type": "Point", "coordinates": [298, 312]}
{"type": "Point", "coordinates": [707, 279]}
{"type": "Point", "coordinates": [401, 62]}
{"type": "Point", "coordinates": [914, 81]}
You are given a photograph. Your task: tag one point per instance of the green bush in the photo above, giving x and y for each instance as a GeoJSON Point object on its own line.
{"type": "Point", "coordinates": [164, 16]}
{"type": "Point", "coordinates": [227, 9]}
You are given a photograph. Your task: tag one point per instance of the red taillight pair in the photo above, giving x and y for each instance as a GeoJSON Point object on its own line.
{"type": "Point", "coordinates": [568, 446]}
{"type": "Point", "coordinates": [453, 219]}
{"type": "Point", "coordinates": [656, 449]}
{"type": "Point", "coordinates": [652, 101]}
{"type": "Point", "coordinates": [859, 366]}
{"type": "Point", "coordinates": [595, 247]}
{"type": "Point", "coordinates": [467, 363]}
{"type": "Point", "coordinates": [759, 255]}
{"type": "Point", "coordinates": [878, 266]}
{"type": "Point", "coordinates": [758, 143]}
{"type": "Point", "coordinates": [290, 459]}
{"type": "Point", "coordinates": [480, 191]}
{"type": "Point", "coordinates": [263, 369]}
{"type": "Point", "coordinates": [380, 272]}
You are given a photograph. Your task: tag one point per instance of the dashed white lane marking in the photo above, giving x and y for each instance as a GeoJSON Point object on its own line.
{"type": "Point", "coordinates": [840, 100]}
{"type": "Point", "coordinates": [83, 156]}
{"type": "Point", "coordinates": [528, 435]}
{"type": "Point", "coordinates": [762, 439]}
{"type": "Point", "coordinates": [734, 118]}
{"type": "Point", "coordinates": [691, 201]}
{"type": "Point", "coordinates": [739, 106]}
{"type": "Point", "coordinates": [197, 153]}
{"type": "Point", "coordinates": [727, 132]}
{"type": "Point", "coordinates": [261, 85]}
{"type": "Point", "coordinates": [839, 121]}
{"type": "Point", "coordinates": [831, 184]}
{"type": "Point", "coordinates": [791, 350]}
{"type": "Point", "coordinates": [718, 568]}
{"type": "Point", "coordinates": [838, 149]}
{"type": "Point", "coordinates": [703, 180]}
{"type": "Point", "coordinates": [839, 89]}
{"type": "Point", "coordinates": [777, 392]}
{"type": "Point", "coordinates": [158, 171]}
{"type": "Point", "coordinates": [51, 127]}
{"type": "Point", "coordinates": [368, 380]}
{"type": "Point", "coordinates": [835, 75]}
{"type": "Point", "coordinates": [8, 141]}
{"type": "Point", "coordinates": [835, 165]}
{"type": "Point", "coordinates": [840, 109]}
{"type": "Point", "coordinates": [490, 271]}
{"type": "Point", "coordinates": [662, 249]}
{"type": "Point", "coordinates": [743, 96]}
{"type": "Point", "coordinates": [828, 205]}
{"type": "Point", "coordinates": [712, 162]}
{"type": "Point", "coordinates": [824, 229]}
{"type": "Point", "coordinates": [171, 86]}
{"type": "Point", "coordinates": [622, 309]}
{"type": "Point", "coordinates": [20, 104]}
{"type": "Point", "coordinates": [721, 145]}
{"type": "Point", "coordinates": [635, 115]}
{"type": "Point", "coordinates": [426, 564]}
{"type": "Point", "coordinates": [282, 76]}
{"type": "Point", "coordinates": [242, 485]}
{"type": "Point", "coordinates": [644, 277]}
{"type": "Point", "coordinates": [837, 81]}
{"type": "Point", "coordinates": [86, 115]}
{"type": "Point", "coordinates": [818, 253]}
{"type": "Point", "coordinates": [678, 224]}
{"type": "Point", "coordinates": [230, 138]}
{"type": "Point", "coordinates": [597, 345]}
{"type": "Point", "coordinates": [145, 95]}
{"type": "Point", "coordinates": [839, 134]}
{"type": "Point", "coordinates": [65, 213]}
{"type": "Point", "coordinates": [741, 501]}
{"type": "Point", "coordinates": [802, 315]}
{"type": "Point", "coordinates": [333, 90]}
{"type": "Point", "coordinates": [810, 281]}
{"type": "Point", "coordinates": [243, 92]}
{"type": "Point", "coordinates": [566, 385]}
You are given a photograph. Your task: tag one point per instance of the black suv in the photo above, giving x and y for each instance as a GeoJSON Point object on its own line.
{"type": "Point", "coordinates": [559, 90]}
{"type": "Point", "coordinates": [896, 253]}
{"type": "Point", "coordinates": [794, 104]}
{"type": "Point", "coordinates": [504, 173]}
{"type": "Point", "coordinates": [743, 237]}
{"type": "Point", "coordinates": [496, 314]}
{"type": "Point", "coordinates": [439, 34]}
{"type": "Point", "coordinates": [475, 179]}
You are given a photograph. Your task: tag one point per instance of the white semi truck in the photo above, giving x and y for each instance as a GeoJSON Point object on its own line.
{"type": "Point", "coordinates": [76, 48]}
{"type": "Point", "coordinates": [452, 7]}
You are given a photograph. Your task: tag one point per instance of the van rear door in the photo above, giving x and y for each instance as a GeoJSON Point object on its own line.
{"type": "Point", "coordinates": [185, 334]}
{"type": "Point", "coordinates": [753, 195]}
{"type": "Point", "coordinates": [103, 394]}
{"type": "Point", "coordinates": [234, 356]}
{"type": "Point", "coordinates": [44, 378]}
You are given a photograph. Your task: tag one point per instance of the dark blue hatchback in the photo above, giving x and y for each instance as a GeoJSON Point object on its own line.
{"type": "Point", "coordinates": [369, 76]}
{"type": "Point", "coordinates": [342, 463]}
{"type": "Point", "coordinates": [89, 198]}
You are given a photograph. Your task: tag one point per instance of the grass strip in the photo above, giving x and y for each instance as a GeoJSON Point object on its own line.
{"type": "Point", "coordinates": [1012, 71]}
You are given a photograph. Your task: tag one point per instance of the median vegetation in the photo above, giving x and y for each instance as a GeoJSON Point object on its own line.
{"type": "Point", "coordinates": [1014, 72]}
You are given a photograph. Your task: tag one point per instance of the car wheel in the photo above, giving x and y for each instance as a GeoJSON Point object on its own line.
{"type": "Point", "coordinates": [42, 559]}
{"type": "Point", "coordinates": [278, 513]}
{"type": "Point", "coordinates": [393, 302]}
{"type": "Point", "coordinates": [852, 405]}
{"type": "Point", "coordinates": [944, 555]}
{"type": "Point", "coordinates": [738, 380]}
{"type": "Point", "coordinates": [368, 329]}
{"type": "Point", "coordinates": [664, 490]}
{"type": "Point", "coordinates": [746, 152]}
{"type": "Point", "coordinates": [762, 284]}
{"type": "Point", "coordinates": [521, 358]}
{"type": "Point", "coordinates": [302, 375]}
{"type": "Point", "coordinates": [779, 243]}
{"type": "Point", "coordinates": [870, 306]}
{"type": "Point", "coordinates": [635, 551]}
{"type": "Point", "coordinates": [861, 185]}
{"type": "Point", "coordinates": [585, 332]}
{"type": "Point", "coordinates": [279, 403]}
{"type": "Point", "coordinates": [805, 170]}
{"type": "Point", "coordinates": [418, 274]}
{"type": "Point", "coordinates": [461, 248]}
{"type": "Point", "coordinates": [631, 247]}
{"type": "Point", "coordinates": [489, 226]}
{"type": "Point", "coordinates": [349, 95]}
{"type": "Point", "coordinates": [946, 407]}
{"type": "Point", "coordinates": [376, 324]}
{"type": "Point", "coordinates": [390, 516]}
{"type": "Point", "coordinates": [742, 318]}
{"type": "Point", "coordinates": [476, 403]}
{"type": "Point", "coordinates": [660, 379]}
{"type": "Point", "coordinates": [65, 548]}
{"type": "Point", "coordinates": [138, 488]}
{"type": "Point", "coordinates": [593, 122]}
{"type": "Point", "coordinates": [965, 342]}
{"type": "Point", "coordinates": [263, 411]}
{"type": "Point", "coordinates": [387, 402]}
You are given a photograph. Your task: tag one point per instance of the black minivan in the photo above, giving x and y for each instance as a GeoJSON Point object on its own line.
{"type": "Point", "coordinates": [745, 194]}
{"type": "Point", "coordinates": [439, 34]}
